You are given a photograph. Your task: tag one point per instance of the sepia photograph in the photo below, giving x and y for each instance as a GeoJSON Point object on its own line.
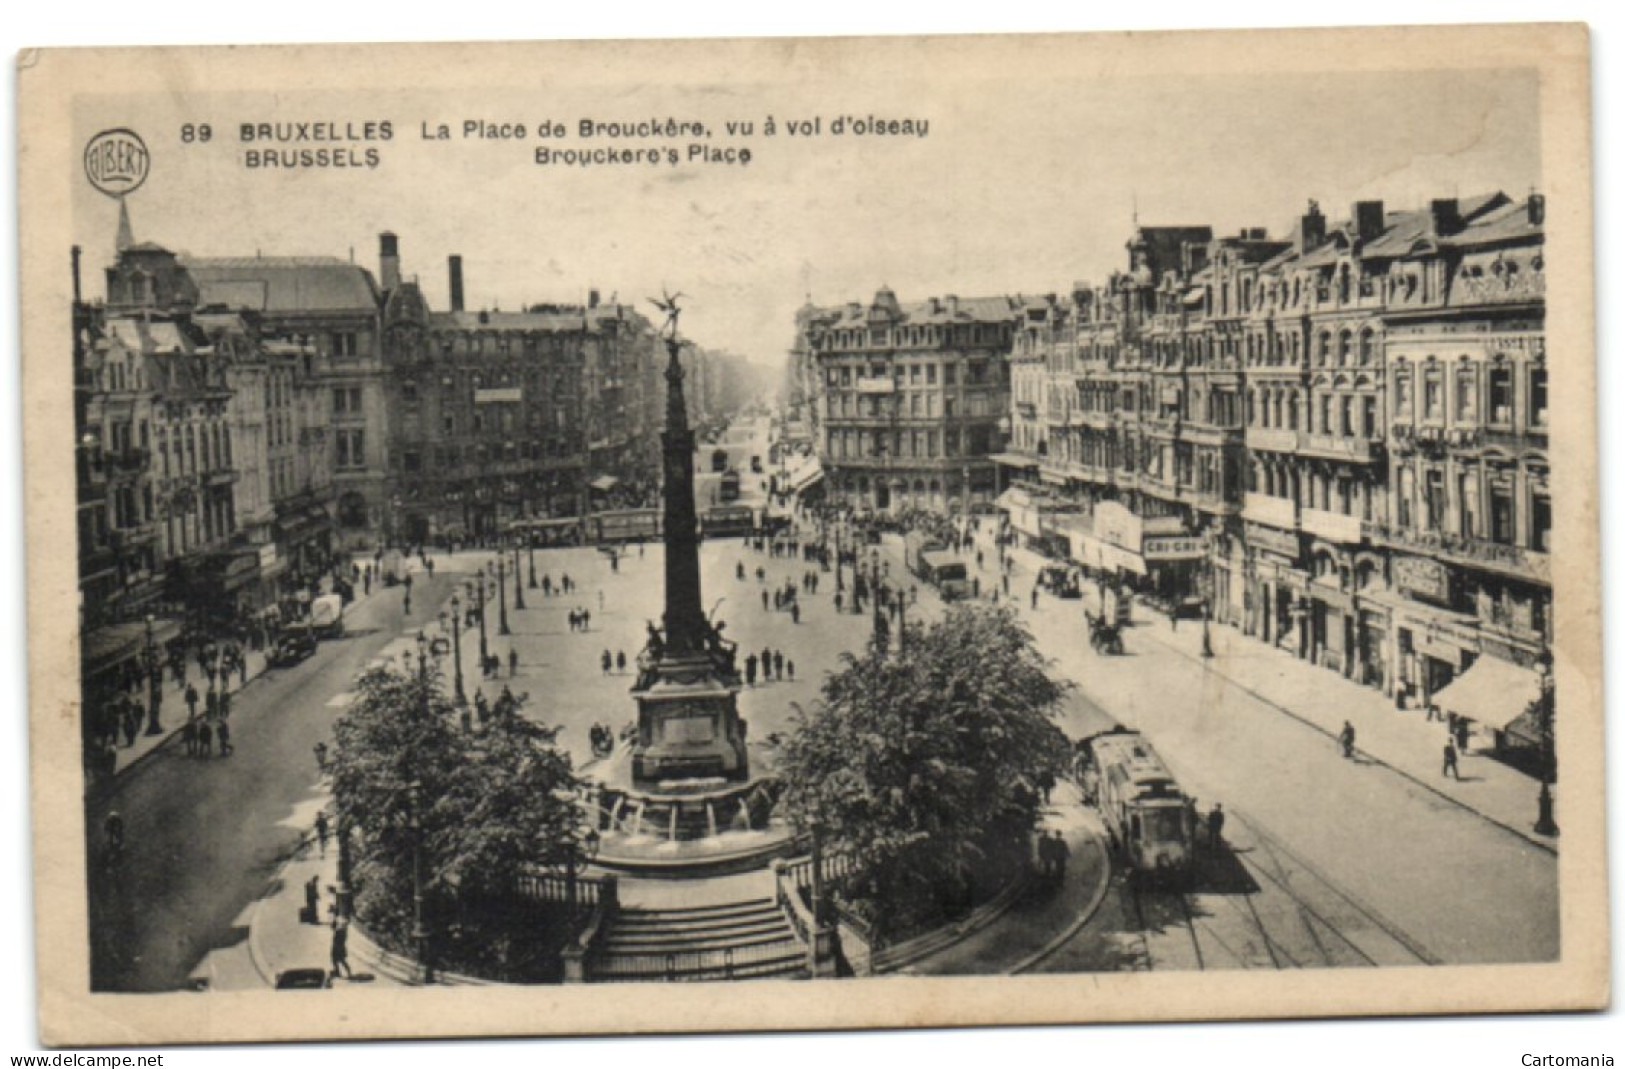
{"type": "Point", "coordinates": [842, 533]}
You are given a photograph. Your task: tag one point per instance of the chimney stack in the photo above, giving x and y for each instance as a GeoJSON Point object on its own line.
{"type": "Point", "coordinates": [1311, 229]}
{"type": "Point", "coordinates": [454, 265]}
{"type": "Point", "coordinates": [389, 261]}
{"type": "Point", "coordinates": [1537, 215]}
{"type": "Point", "coordinates": [1368, 219]}
{"type": "Point", "coordinates": [1446, 217]}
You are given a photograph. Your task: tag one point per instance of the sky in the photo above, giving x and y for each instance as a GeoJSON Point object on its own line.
{"type": "Point", "coordinates": [1022, 183]}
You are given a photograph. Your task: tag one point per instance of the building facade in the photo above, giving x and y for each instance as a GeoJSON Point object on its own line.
{"type": "Point", "coordinates": [499, 416]}
{"type": "Point", "coordinates": [1335, 441]}
{"type": "Point", "coordinates": [912, 401]}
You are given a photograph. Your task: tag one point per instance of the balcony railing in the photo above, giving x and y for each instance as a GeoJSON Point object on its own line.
{"type": "Point", "coordinates": [1279, 512]}
{"type": "Point", "coordinates": [1333, 526]}
{"type": "Point", "coordinates": [1524, 563]}
{"type": "Point", "coordinates": [1272, 439]}
{"type": "Point", "coordinates": [1335, 447]}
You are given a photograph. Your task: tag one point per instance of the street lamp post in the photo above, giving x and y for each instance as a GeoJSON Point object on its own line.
{"type": "Point", "coordinates": [502, 597]}
{"type": "Point", "coordinates": [154, 688]}
{"type": "Point", "coordinates": [518, 587]}
{"type": "Point", "coordinates": [1545, 821]}
{"type": "Point", "coordinates": [530, 546]}
{"type": "Point", "coordinates": [414, 800]}
{"type": "Point", "coordinates": [479, 584]}
{"type": "Point", "coordinates": [457, 648]}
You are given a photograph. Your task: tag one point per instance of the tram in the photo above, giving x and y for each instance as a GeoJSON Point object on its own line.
{"type": "Point", "coordinates": [1150, 820]}
{"type": "Point", "coordinates": [626, 525]}
{"type": "Point", "coordinates": [726, 521]}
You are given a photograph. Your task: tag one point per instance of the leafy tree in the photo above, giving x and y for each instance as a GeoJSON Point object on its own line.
{"type": "Point", "coordinates": [486, 804]}
{"type": "Point", "coordinates": [919, 767]}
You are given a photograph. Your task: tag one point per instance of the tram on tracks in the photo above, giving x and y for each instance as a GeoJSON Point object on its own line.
{"type": "Point", "coordinates": [625, 525]}
{"type": "Point", "coordinates": [1151, 822]}
{"type": "Point", "coordinates": [728, 521]}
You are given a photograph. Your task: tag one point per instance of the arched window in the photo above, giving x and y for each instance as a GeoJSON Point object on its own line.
{"type": "Point", "coordinates": [1368, 346]}
{"type": "Point", "coordinates": [1345, 345]}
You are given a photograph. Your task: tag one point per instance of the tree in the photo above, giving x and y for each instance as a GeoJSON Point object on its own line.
{"type": "Point", "coordinates": [920, 767]}
{"type": "Point", "coordinates": [485, 805]}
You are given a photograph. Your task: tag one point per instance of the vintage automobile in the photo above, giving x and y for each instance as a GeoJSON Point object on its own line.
{"type": "Point", "coordinates": [291, 647]}
{"type": "Point", "coordinates": [1059, 582]}
{"type": "Point", "coordinates": [302, 979]}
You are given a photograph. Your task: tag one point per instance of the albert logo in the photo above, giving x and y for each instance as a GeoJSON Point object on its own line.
{"type": "Point", "coordinates": [116, 161]}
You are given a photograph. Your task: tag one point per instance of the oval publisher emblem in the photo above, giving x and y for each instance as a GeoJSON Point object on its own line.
{"type": "Point", "coordinates": [116, 161]}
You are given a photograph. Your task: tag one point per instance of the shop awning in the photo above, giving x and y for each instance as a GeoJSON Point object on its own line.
{"type": "Point", "coordinates": [111, 645]}
{"type": "Point", "coordinates": [1014, 460]}
{"type": "Point", "coordinates": [1493, 692]}
{"type": "Point", "coordinates": [806, 476]}
{"type": "Point", "coordinates": [604, 483]}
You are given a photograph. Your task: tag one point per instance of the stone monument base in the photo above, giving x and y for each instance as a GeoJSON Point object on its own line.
{"type": "Point", "coordinates": [686, 827]}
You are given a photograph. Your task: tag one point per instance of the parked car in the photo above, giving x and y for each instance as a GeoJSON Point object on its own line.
{"type": "Point", "coordinates": [292, 647]}
{"type": "Point", "coordinates": [302, 979]}
{"type": "Point", "coordinates": [327, 615]}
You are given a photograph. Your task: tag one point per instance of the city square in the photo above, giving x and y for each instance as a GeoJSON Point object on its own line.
{"type": "Point", "coordinates": [1196, 614]}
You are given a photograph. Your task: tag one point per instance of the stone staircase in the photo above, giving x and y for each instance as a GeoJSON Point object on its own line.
{"type": "Point", "coordinates": [745, 940]}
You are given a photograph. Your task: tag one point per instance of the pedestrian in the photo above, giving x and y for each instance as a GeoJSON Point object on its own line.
{"type": "Point", "coordinates": [313, 901]}
{"type": "Point", "coordinates": [321, 830]}
{"type": "Point", "coordinates": [1215, 827]}
{"type": "Point", "coordinates": [739, 571]}
{"type": "Point", "coordinates": [223, 706]}
{"type": "Point", "coordinates": [341, 948]}
{"type": "Point", "coordinates": [764, 601]}
{"type": "Point", "coordinates": [1035, 597]}
{"type": "Point", "coordinates": [838, 600]}
{"type": "Point", "coordinates": [790, 669]}
{"type": "Point", "coordinates": [1060, 852]}
{"type": "Point", "coordinates": [225, 739]}
{"type": "Point", "coordinates": [620, 661]}
{"type": "Point", "coordinates": [321, 756]}
{"type": "Point", "coordinates": [795, 613]}
{"type": "Point", "coordinates": [189, 738]}
{"type": "Point", "coordinates": [778, 665]}
{"type": "Point", "coordinates": [607, 660]}
{"type": "Point", "coordinates": [1450, 756]}
{"type": "Point", "coordinates": [513, 661]}
{"type": "Point", "coordinates": [205, 738]}
{"type": "Point", "coordinates": [750, 670]}
{"type": "Point", "coordinates": [191, 700]}
{"type": "Point", "coordinates": [1346, 739]}
{"type": "Point", "coordinates": [586, 620]}
{"type": "Point", "coordinates": [1046, 784]}
{"type": "Point", "coordinates": [1461, 733]}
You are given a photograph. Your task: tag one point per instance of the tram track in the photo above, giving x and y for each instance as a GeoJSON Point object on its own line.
{"type": "Point", "coordinates": [1228, 930]}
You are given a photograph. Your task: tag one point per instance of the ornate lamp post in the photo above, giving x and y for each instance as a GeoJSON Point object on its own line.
{"type": "Point", "coordinates": [518, 581]}
{"type": "Point", "coordinates": [457, 650]}
{"type": "Point", "coordinates": [479, 585]}
{"type": "Point", "coordinates": [154, 688]}
{"type": "Point", "coordinates": [420, 933]}
{"type": "Point", "coordinates": [1545, 822]}
{"type": "Point", "coordinates": [502, 596]}
{"type": "Point", "coordinates": [580, 848]}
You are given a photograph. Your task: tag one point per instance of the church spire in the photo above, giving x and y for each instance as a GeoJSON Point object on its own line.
{"type": "Point", "coordinates": [126, 235]}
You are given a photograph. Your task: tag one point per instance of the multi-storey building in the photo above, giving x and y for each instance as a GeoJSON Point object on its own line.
{"type": "Point", "coordinates": [912, 399]}
{"type": "Point", "coordinates": [1336, 441]}
{"type": "Point", "coordinates": [326, 312]}
{"type": "Point", "coordinates": [497, 416]}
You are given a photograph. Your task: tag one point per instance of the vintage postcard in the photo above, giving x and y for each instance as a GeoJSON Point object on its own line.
{"type": "Point", "coordinates": [837, 533]}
